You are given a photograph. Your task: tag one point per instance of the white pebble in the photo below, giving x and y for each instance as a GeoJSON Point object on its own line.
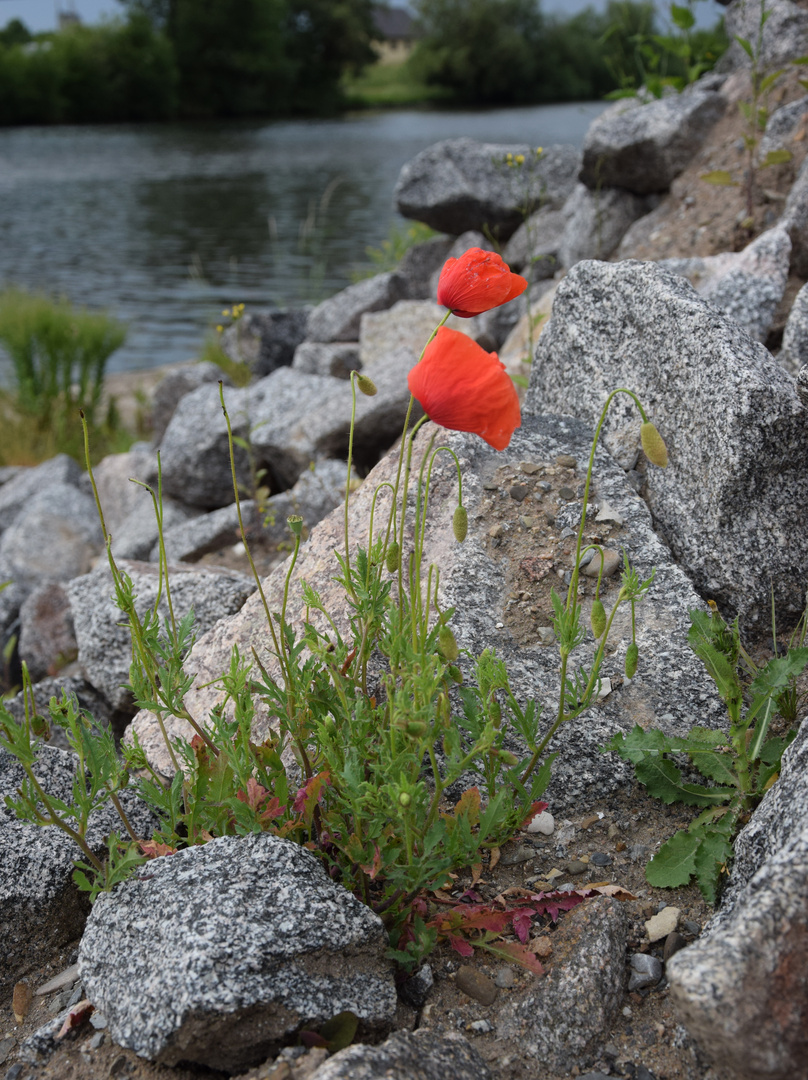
{"type": "Point", "coordinates": [543, 823]}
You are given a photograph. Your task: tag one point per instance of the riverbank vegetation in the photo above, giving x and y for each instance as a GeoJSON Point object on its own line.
{"type": "Point", "coordinates": [178, 59]}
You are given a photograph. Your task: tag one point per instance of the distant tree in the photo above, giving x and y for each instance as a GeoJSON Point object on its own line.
{"type": "Point", "coordinates": [324, 39]}
{"type": "Point", "coordinates": [483, 50]}
{"type": "Point", "coordinates": [15, 32]}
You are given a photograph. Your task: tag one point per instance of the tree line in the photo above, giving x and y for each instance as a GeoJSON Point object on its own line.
{"type": "Point", "coordinates": [166, 59]}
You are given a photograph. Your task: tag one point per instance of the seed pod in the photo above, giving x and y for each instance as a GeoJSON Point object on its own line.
{"type": "Point", "coordinates": [39, 726]}
{"type": "Point", "coordinates": [416, 727]}
{"type": "Point", "coordinates": [495, 711]}
{"type": "Point", "coordinates": [654, 445]}
{"type": "Point", "coordinates": [598, 618]}
{"type": "Point", "coordinates": [455, 674]}
{"type": "Point", "coordinates": [447, 645]}
{"type": "Point", "coordinates": [393, 559]}
{"type": "Point", "coordinates": [295, 523]}
{"type": "Point", "coordinates": [460, 524]}
{"type": "Point", "coordinates": [507, 758]}
{"type": "Point", "coordinates": [366, 386]}
{"type": "Point", "coordinates": [404, 798]}
{"type": "Point", "coordinates": [632, 656]}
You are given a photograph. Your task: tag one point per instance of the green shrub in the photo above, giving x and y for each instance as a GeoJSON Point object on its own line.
{"type": "Point", "coordinates": [58, 359]}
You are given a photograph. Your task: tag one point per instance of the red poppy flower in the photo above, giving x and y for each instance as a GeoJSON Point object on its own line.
{"type": "Point", "coordinates": [476, 282]}
{"type": "Point", "coordinates": [465, 388]}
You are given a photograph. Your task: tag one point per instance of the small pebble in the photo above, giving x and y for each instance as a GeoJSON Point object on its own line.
{"type": "Point", "coordinates": [627, 1011]}
{"type": "Point", "coordinates": [543, 823]}
{"type": "Point", "coordinates": [612, 560]}
{"type": "Point", "coordinates": [591, 819]}
{"type": "Point", "coordinates": [673, 943]}
{"type": "Point", "coordinates": [607, 515]}
{"type": "Point", "coordinates": [476, 985]}
{"type": "Point", "coordinates": [518, 855]}
{"type": "Point", "coordinates": [691, 927]}
{"type": "Point", "coordinates": [14, 1071]}
{"type": "Point", "coordinates": [98, 1021]}
{"type": "Point", "coordinates": [519, 492]}
{"type": "Point", "coordinates": [646, 971]}
{"type": "Point", "coordinates": [600, 858]}
{"type": "Point", "coordinates": [545, 635]}
{"type": "Point", "coordinates": [491, 485]}
{"type": "Point", "coordinates": [97, 1040]}
{"type": "Point", "coordinates": [567, 461]}
{"type": "Point", "coordinates": [613, 831]}
{"type": "Point", "coordinates": [566, 493]}
{"type": "Point", "coordinates": [529, 468]}
{"type": "Point", "coordinates": [505, 978]}
{"type": "Point", "coordinates": [541, 946]}
{"type": "Point", "coordinates": [415, 990]}
{"type": "Point", "coordinates": [6, 1046]}
{"type": "Point", "coordinates": [662, 924]}
{"type": "Point", "coordinates": [576, 866]}
{"type": "Point", "coordinates": [480, 1027]}
{"type": "Point", "coordinates": [21, 1000]}
{"type": "Point", "coordinates": [496, 531]}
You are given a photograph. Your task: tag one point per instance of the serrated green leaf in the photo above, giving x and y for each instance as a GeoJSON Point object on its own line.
{"type": "Point", "coordinates": [638, 743]}
{"type": "Point", "coordinates": [675, 862]}
{"type": "Point", "coordinates": [712, 855]}
{"type": "Point", "coordinates": [775, 676]}
{"type": "Point", "coordinates": [664, 781]}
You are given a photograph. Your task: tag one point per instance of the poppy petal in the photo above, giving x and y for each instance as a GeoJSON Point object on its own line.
{"type": "Point", "coordinates": [476, 282]}
{"type": "Point", "coordinates": [464, 388]}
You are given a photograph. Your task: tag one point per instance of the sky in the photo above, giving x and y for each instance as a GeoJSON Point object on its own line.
{"type": "Point", "coordinates": [41, 14]}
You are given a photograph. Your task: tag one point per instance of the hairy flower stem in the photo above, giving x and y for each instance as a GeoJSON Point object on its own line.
{"type": "Point", "coordinates": [54, 819]}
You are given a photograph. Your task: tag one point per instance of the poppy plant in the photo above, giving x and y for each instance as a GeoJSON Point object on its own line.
{"type": "Point", "coordinates": [476, 282]}
{"type": "Point", "coordinates": [464, 388]}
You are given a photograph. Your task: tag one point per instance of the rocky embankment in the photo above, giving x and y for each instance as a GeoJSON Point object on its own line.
{"type": "Point", "coordinates": [646, 276]}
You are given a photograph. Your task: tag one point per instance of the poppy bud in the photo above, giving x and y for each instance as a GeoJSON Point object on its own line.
{"type": "Point", "coordinates": [632, 655]}
{"type": "Point", "coordinates": [507, 758]}
{"type": "Point", "coordinates": [416, 727]}
{"type": "Point", "coordinates": [404, 799]}
{"type": "Point", "coordinates": [495, 711]}
{"type": "Point", "coordinates": [447, 645]}
{"type": "Point", "coordinates": [598, 618]}
{"type": "Point", "coordinates": [39, 726]}
{"type": "Point", "coordinates": [460, 524]}
{"type": "Point", "coordinates": [393, 559]}
{"type": "Point", "coordinates": [295, 523]}
{"type": "Point", "coordinates": [366, 386]}
{"type": "Point", "coordinates": [653, 445]}
{"type": "Point", "coordinates": [455, 674]}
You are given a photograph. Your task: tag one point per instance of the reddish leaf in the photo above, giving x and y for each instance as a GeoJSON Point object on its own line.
{"type": "Point", "coordinates": [309, 795]}
{"type": "Point", "coordinates": [535, 809]}
{"type": "Point", "coordinates": [469, 805]}
{"type": "Point", "coordinates": [77, 1016]}
{"type": "Point", "coordinates": [460, 945]}
{"type": "Point", "coordinates": [372, 869]}
{"type": "Point", "coordinates": [522, 922]}
{"type": "Point", "coordinates": [311, 1039]}
{"type": "Point", "coordinates": [154, 850]}
{"type": "Point", "coordinates": [255, 794]}
{"type": "Point", "coordinates": [521, 954]}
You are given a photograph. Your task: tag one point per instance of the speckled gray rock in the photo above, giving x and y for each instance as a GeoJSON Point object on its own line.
{"type": "Point", "coordinates": [105, 650]}
{"type": "Point", "coordinates": [181, 380]}
{"type": "Point", "coordinates": [40, 907]}
{"type": "Point", "coordinates": [420, 262]}
{"type": "Point", "coordinates": [16, 492]}
{"type": "Point", "coordinates": [597, 222]}
{"type": "Point", "coordinates": [781, 127]}
{"type": "Point", "coordinates": [643, 147]}
{"type": "Point", "coordinates": [56, 535]}
{"type": "Point", "coordinates": [794, 351]}
{"type": "Point", "coordinates": [785, 33]}
{"type": "Point", "coordinates": [406, 326]}
{"type": "Point", "coordinates": [327, 358]}
{"type": "Point", "coordinates": [47, 640]}
{"type": "Point", "coordinates": [317, 492]}
{"type": "Point", "coordinates": [408, 1055]}
{"type": "Point", "coordinates": [457, 185]}
{"type": "Point", "coordinates": [795, 222]}
{"type": "Point", "coordinates": [747, 285]}
{"type": "Point", "coordinates": [337, 318]}
{"type": "Point", "coordinates": [741, 988]}
{"type": "Point", "coordinates": [266, 340]}
{"type": "Point", "coordinates": [671, 688]}
{"type": "Point", "coordinates": [137, 534]}
{"type": "Point", "coordinates": [119, 497]}
{"type": "Point", "coordinates": [557, 1018]}
{"type": "Point", "coordinates": [194, 451]}
{"type": "Point", "coordinates": [227, 949]}
{"type": "Point", "coordinates": [533, 249]}
{"type": "Point", "coordinates": [734, 425]}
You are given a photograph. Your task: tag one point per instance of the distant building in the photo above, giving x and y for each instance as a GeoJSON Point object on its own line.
{"type": "Point", "coordinates": [67, 17]}
{"type": "Point", "coordinates": [395, 34]}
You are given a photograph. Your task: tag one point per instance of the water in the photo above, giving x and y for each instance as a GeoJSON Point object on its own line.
{"type": "Point", "coordinates": [165, 225]}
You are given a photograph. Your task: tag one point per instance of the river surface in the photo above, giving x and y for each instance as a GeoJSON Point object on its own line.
{"type": "Point", "coordinates": [164, 225]}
